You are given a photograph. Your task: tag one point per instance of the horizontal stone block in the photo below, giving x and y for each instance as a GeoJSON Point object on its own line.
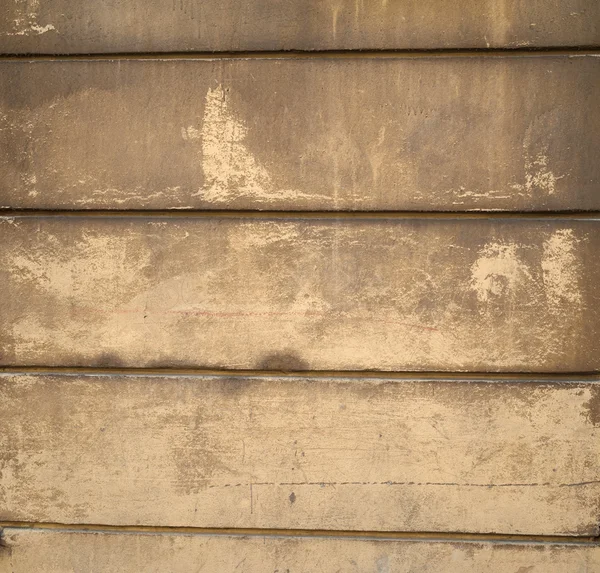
{"type": "Point", "coordinates": [93, 26]}
{"type": "Point", "coordinates": [511, 133]}
{"type": "Point", "coordinates": [301, 293]}
{"type": "Point", "coordinates": [65, 551]}
{"type": "Point", "coordinates": [301, 453]}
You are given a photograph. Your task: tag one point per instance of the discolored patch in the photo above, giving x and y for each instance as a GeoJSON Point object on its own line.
{"type": "Point", "coordinates": [592, 406]}
{"type": "Point", "coordinates": [108, 360]}
{"type": "Point", "coordinates": [284, 361]}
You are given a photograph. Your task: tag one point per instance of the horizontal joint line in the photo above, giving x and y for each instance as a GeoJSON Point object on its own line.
{"type": "Point", "coordinates": [533, 377]}
{"type": "Point", "coordinates": [481, 52]}
{"type": "Point", "coordinates": [449, 537]}
{"type": "Point", "coordinates": [286, 214]}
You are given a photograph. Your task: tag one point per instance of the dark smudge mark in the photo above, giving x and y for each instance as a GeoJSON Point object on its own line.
{"type": "Point", "coordinates": [285, 361]}
{"type": "Point", "coordinates": [108, 360]}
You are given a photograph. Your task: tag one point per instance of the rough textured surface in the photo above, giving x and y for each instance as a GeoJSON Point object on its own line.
{"type": "Point", "coordinates": [301, 293]}
{"type": "Point", "coordinates": [397, 133]}
{"type": "Point", "coordinates": [64, 26]}
{"type": "Point", "coordinates": [301, 453]}
{"type": "Point", "coordinates": [65, 552]}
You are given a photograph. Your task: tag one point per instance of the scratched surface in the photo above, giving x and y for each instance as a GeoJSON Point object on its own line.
{"type": "Point", "coordinates": [301, 293]}
{"type": "Point", "coordinates": [64, 26]}
{"type": "Point", "coordinates": [397, 133]}
{"type": "Point", "coordinates": [301, 453]}
{"type": "Point", "coordinates": [65, 552]}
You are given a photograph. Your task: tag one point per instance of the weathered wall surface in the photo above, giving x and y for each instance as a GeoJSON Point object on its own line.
{"type": "Point", "coordinates": [88, 26]}
{"type": "Point", "coordinates": [64, 552]}
{"type": "Point", "coordinates": [301, 293]}
{"type": "Point", "coordinates": [372, 342]}
{"type": "Point", "coordinates": [396, 133]}
{"type": "Point", "coordinates": [301, 453]}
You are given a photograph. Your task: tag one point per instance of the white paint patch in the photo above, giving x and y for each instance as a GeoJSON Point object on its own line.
{"type": "Point", "coordinates": [42, 29]}
{"type": "Point", "coordinates": [264, 234]}
{"type": "Point", "coordinates": [561, 270]}
{"type": "Point", "coordinates": [190, 133]}
{"type": "Point", "coordinates": [26, 21]}
{"type": "Point", "coordinates": [99, 265]}
{"type": "Point", "coordinates": [30, 182]}
{"type": "Point", "coordinates": [226, 161]}
{"type": "Point", "coordinates": [377, 154]}
{"type": "Point", "coordinates": [230, 169]}
{"type": "Point", "coordinates": [498, 271]}
{"type": "Point", "coordinates": [538, 176]}
{"type": "Point", "coordinates": [491, 194]}
{"type": "Point", "coordinates": [335, 12]}
{"type": "Point", "coordinates": [33, 29]}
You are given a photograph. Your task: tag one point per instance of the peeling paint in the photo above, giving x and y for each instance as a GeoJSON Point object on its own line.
{"type": "Point", "coordinates": [26, 21]}
{"type": "Point", "coordinates": [226, 161]}
{"type": "Point", "coordinates": [561, 271]}
{"type": "Point", "coordinates": [538, 176]}
{"type": "Point", "coordinates": [230, 168]}
{"type": "Point", "coordinates": [498, 271]}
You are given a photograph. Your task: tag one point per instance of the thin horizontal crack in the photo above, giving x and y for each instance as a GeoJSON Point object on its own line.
{"type": "Point", "coordinates": [402, 483]}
